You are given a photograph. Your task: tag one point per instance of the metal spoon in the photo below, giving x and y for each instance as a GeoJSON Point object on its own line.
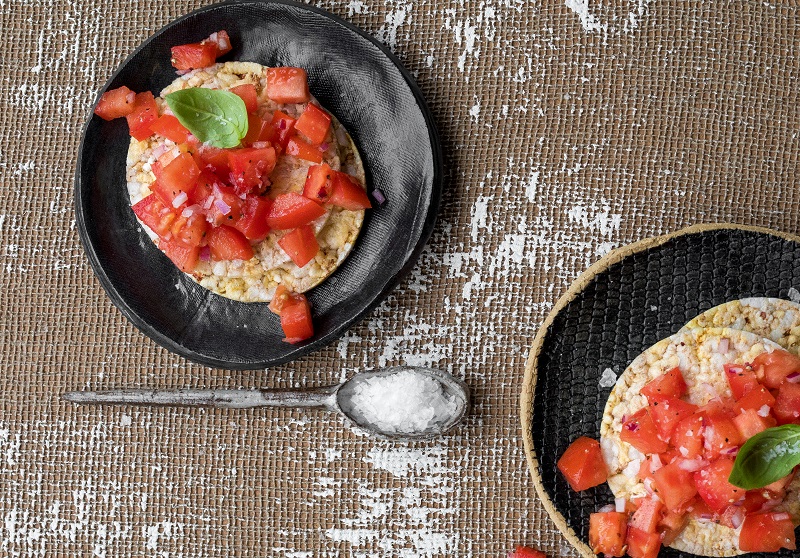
{"type": "Point", "coordinates": [336, 398]}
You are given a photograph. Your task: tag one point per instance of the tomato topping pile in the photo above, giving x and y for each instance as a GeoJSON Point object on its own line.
{"type": "Point", "coordinates": [689, 453]}
{"type": "Point", "coordinates": [214, 204]}
{"type": "Point", "coordinates": [526, 552]}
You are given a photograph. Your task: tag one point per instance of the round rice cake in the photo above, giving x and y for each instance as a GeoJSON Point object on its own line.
{"type": "Point", "coordinates": [772, 318]}
{"type": "Point", "coordinates": [255, 280]}
{"type": "Point", "coordinates": [700, 354]}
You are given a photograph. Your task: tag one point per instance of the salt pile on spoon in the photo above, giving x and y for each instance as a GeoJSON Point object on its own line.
{"type": "Point", "coordinates": [402, 403]}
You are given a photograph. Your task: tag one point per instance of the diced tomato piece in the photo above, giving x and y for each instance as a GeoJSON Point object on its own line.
{"type": "Point", "coordinates": [607, 532]}
{"type": "Point", "coordinates": [190, 230]}
{"type": "Point", "coordinates": [226, 208]}
{"type": "Point", "coordinates": [300, 244]}
{"type": "Point", "coordinates": [687, 437]}
{"type": "Point", "coordinates": [779, 485]}
{"type": "Point", "coordinates": [185, 257]}
{"type": "Point", "coordinates": [787, 403]}
{"type": "Point", "coordinates": [222, 41]}
{"type": "Point", "coordinates": [699, 509]}
{"type": "Point", "coordinates": [249, 168]}
{"type": "Point", "coordinates": [348, 193]}
{"type": "Point", "coordinates": [582, 464]}
{"type": "Point", "coordinates": [749, 423]}
{"type": "Point", "coordinates": [283, 125]}
{"type": "Point", "coordinates": [776, 366]}
{"type": "Point", "coordinates": [158, 217]}
{"type": "Point", "coordinates": [646, 469]}
{"type": "Point", "coordinates": [171, 128]}
{"type": "Point", "coordinates": [732, 516]}
{"type": "Point", "coordinates": [669, 384]}
{"type": "Point", "coordinates": [642, 544]}
{"type": "Point", "coordinates": [720, 435]}
{"type": "Point", "coordinates": [226, 243]}
{"type": "Point", "coordinates": [296, 319]}
{"type": "Point", "coordinates": [667, 412]}
{"type": "Point", "coordinates": [675, 486]}
{"type": "Point", "coordinates": [253, 224]}
{"type": "Point", "coordinates": [754, 500]}
{"type": "Point", "coordinates": [526, 552]}
{"type": "Point", "coordinates": [767, 532]}
{"type": "Point", "coordinates": [115, 103]}
{"type": "Point", "coordinates": [314, 124]}
{"type": "Point", "coordinates": [647, 516]}
{"type": "Point", "coordinates": [257, 130]}
{"type": "Point", "coordinates": [755, 399]}
{"type": "Point", "coordinates": [713, 486]}
{"type": "Point", "coordinates": [180, 176]}
{"type": "Point", "coordinates": [671, 526]}
{"type": "Point", "coordinates": [741, 379]}
{"type": "Point", "coordinates": [144, 113]}
{"type": "Point", "coordinates": [303, 150]}
{"type": "Point", "coordinates": [215, 160]}
{"type": "Point", "coordinates": [319, 183]}
{"type": "Point", "coordinates": [292, 210]}
{"type": "Point", "coordinates": [640, 432]}
{"type": "Point", "coordinates": [193, 55]}
{"type": "Point", "coordinates": [288, 85]}
{"type": "Point", "coordinates": [247, 91]}
{"type": "Point", "coordinates": [279, 299]}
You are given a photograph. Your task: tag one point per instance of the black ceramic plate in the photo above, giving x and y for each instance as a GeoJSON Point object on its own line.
{"type": "Point", "coordinates": [365, 87]}
{"type": "Point", "coordinates": [621, 306]}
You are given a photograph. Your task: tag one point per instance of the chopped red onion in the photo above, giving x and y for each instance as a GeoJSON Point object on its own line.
{"type": "Point", "coordinates": [188, 212]}
{"type": "Point", "coordinates": [205, 253]}
{"type": "Point", "coordinates": [180, 199]}
{"type": "Point", "coordinates": [207, 203]}
{"type": "Point", "coordinates": [619, 504]}
{"type": "Point", "coordinates": [607, 508]}
{"type": "Point", "coordinates": [793, 378]}
{"type": "Point", "coordinates": [763, 411]}
{"type": "Point", "coordinates": [223, 207]}
{"type": "Point", "coordinates": [692, 465]}
{"type": "Point", "coordinates": [159, 151]}
{"type": "Point", "coordinates": [281, 124]}
{"type": "Point", "coordinates": [260, 144]}
{"type": "Point", "coordinates": [191, 138]}
{"type": "Point", "coordinates": [737, 518]}
{"type": "Point", "coordinates": [324, 146]}
{"type": "Point", "coordinates": [182, 72]}
{"type": "Point", "coordinates": [655, 463]}
{"type": "Point", "coordinates": [724, 345]}
{"type": "Point", "coordinates": [648, 485]}
{"type": "Point", "coordinates": [730, 451]}
{"type": "Point", "coordinates": [378, 196]}
{"type": "Point", "coordinates": [706, 516]}
{"type": "Point", "coordinates": [780, 516]}
{"type": "Point", "coordinates": [130, 97]}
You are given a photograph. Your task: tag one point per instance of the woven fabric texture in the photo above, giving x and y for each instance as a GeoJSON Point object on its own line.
{"type": "Point", "coordinates": [569, 128]}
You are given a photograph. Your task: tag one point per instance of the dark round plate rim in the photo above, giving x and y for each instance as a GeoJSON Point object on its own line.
{"type": "Point", "coordinates": [529, 381]}
{"type": "Point", "coordinates": [119, 300]}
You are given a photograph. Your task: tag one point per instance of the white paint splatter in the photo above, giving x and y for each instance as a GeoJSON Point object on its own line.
{"type": "Point", "coordinates": [608, 378]}
{"type": "Point", "coordinates": [794, 295]}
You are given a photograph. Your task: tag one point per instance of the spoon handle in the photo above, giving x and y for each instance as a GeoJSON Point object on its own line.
{"type": "Point", "coordinates": [222, 398]}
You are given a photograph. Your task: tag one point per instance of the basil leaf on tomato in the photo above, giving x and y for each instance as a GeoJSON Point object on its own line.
{"type": "Point", "coordinates": [215, 117]}
{"type": "Point", "coordinates": [766, 457]}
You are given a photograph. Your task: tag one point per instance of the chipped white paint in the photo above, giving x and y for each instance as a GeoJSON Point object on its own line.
{"type": "Point", "coordinates": [794, 295]}
{"type": "Point", "coordinates": [595, 18]}
{"type": "Point", "coordinates": [608, 378]}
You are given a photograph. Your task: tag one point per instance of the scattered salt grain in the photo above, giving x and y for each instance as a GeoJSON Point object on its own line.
{"type": "Point", "coordinates": [402, 403]}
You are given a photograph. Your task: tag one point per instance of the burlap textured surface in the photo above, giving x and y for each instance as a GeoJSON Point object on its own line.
{"type": "Point", "coordinates": [569, 130]}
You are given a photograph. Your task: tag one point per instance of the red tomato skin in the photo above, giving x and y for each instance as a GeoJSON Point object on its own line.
{"type": "Point", "coordinates": [179, 176]}
{"type": "Point", "coordinates": [688, 434]}
{"type": "Point", "coordinates": [667, 412]}
{"type": "Point", "coordinates": [741, 379]}
{"type": "Point", "coordinates": [144, 113]}
{"type": "Point", "coordinates": [640, 432]}
{"type": "Point", "coordinates": [279, 299]}
{"type": "Point", "coordinates": [226, 243]}
{"type": "Point", "coordinates": [713, 486]}
{"type": "Point", "coordinates": [762, 532]}
{"type": "Point", "coordinates": [787, 404]}
{"type": "Point", "coordinates": [776, 366]}
{"type": "Point", "coordinates": [300, 244]}
{"type": "Point", "coordinates": [754, 399]}
{"type": "Point", "coordinates": [719, 435]}
{"type": "Point", "coordinates": [158, 217]}
{"type": "Point", "coordinates": [170, 127]}
{"type": "Point", "coordinates": [257, 130]}
{"type": "Point", "coordinates": [303, 150]}
{"type": "Point", "coordinates": [648, 514]}
{"type": "Point", "coordinates": [675, 486]}
{"type": "Point", "coordinates": [314, 124]}
{"type": "Point", "coordinates": [526, 552]}
{"type": "Point", "coordinates": [607, 532]}
{"type": "Point", "coordinates": [249, 168]}
{"type": "Point", "coordinates": [292, 210]}
{"type": "Point", "coordinates": [749, 423]}
{"type": "Point", "coordinates": [582, 464]}
{"type": "Point", "coordinates": [115, 103]}
{"type": "Point", "coordinates": [296, 320]}
{"type": "Point", "coordinates": [669, 384]}
{"type": "Point", "coordinates": [347, 193]}
{"type": "Point", "coordinates": [283, 126]}
{"type": "Point", "coordinates": [319, 183]}
{"type": "Point", "coordinates": [288, 85]}
{"type": "Point", "coordinates": [248, 94]}
{"type": "Point", "coordinates": [184, 257]}
{"type": "Point", "coordinates": [253, 224]}
{"type": "Point", "coordinates": [642, 544]}
{"type": "Point", "coordinates": [194, 55]}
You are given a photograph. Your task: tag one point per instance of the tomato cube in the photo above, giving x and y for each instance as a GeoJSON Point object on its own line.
{"type": "Point", "coordinates": [158, 217]}
{"type": "Point", "coordinates": [671, 525]}
{"type": "Point", "coordinates": [178, 177]}
{"type": "Point", "coordinates": [767, 532]}
{"type": "Point", "coordinates": [687, 437]}
{"type": "Point", "coordinates": [288, 85]}
{"type": "Point", "coordinates": [249, 168]}
{"type": "Point", "coordinates": [144, 113]}
{"type": "Point", "coordinates": [225, 207]}
{"type": "Point", "coordinates": [582, 464]}
{"type": "Point", "coordinates": [675, 486]}
{"type": "Point", "coordinates": [215, 160]}
{"type": "Point", "coordinates": [647, 516]}
{"type": "Point", "coordinates": [226, 243]}
{"type": "Point", "coordinates": [222, 41]}
{"type": "Point", "coordinates": [319, 183]}
{"type": "Point", "coordinates": [348, 193]}
{"type": "Point", "coordinates": [248, 94]}
{"type": "Point", "coordinates": [115, 103]}
{"type": "Point", "coordinates": [642, 544]}
{"type": "Point", "coordinates": [283, 125]}
{"type": "Point", "coordinates": [667, 412]}
{"type": "Point", "coordinates": [296, 319]}
{"type": "Point", "coordinates": [292, 210]}
{"type": "Point", "coordinates": [190, 230]}
{"type": "Point", "coordinates": [303, 150]}
{"type": "Point", "coordinates": [607, 532]}
{"type": "Point", "coordinates": [184, 257]}
{"type": "Point", "coordinates": [253, 224]}
{"type": "Point", "coordinates": [193, 55]}
{"type": "Point", "coordinates": [669, 384]}
{"type": "Point", "coordinates": [171, 128]}
{"type": "Point", "coordinates": [776, 366]}
{"type": "Point", "coordinates": [787, 403]}
{"type": "Point", "coordinates": [713, 486]}
{"type": "Point", "coordinates": [300, 244]}
{"type": "Point", "coordinates": [257, 130]}
{"type": "Point", "coordinates": [749, 423]}
{"type": "Point", "coordinates": [314, 124]}
{"type": "Point", "coordinates": [741, 379]}
{"type": "Point", "coordinates": [640, 432]}
{"type": "Point", "coordinates": [720, 435]}
{"type": "Point", "coordinates": [755, 399]}
{"type": "Point", "coordinates": [526, 552]}
{"type": "Point", "coordinates": [281, 297]}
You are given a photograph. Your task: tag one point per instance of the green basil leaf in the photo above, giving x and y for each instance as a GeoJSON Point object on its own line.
{"type": "Point", "coordinates": [766, 457]}
{"type": "Point", "coordinates": [213, 116]}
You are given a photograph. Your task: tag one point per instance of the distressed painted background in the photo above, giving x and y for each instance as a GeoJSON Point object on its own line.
{"type": "Point", "coordinates": [569, 130]}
